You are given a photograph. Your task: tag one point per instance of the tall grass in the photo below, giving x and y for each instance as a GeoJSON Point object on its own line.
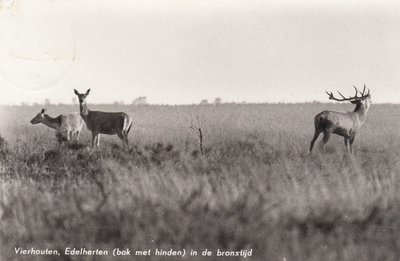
{"type": "Point", "coordinates": [256, 186]}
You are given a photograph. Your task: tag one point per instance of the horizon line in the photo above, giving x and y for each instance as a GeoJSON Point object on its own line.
{"type": "Point", "coordinates": [116, 103]}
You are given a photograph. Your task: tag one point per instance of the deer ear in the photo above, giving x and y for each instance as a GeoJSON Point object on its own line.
{"type": "Point", "coordinates": [76, 92]}
{"type": "Point", "coordinates": [87, 92]}
{"type": "Point", "coordinates": [43, 110]}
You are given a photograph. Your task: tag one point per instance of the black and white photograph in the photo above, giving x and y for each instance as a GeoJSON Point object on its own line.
{"type": "Point", "coordinates": [199, 130]}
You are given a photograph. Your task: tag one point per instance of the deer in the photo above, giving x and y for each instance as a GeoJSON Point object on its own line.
{"type": "Point", "coordinates": [100, 122]}
{"type": "Point", "coordinates": [67, 126]}
{"type": "Point", "coordinates": [342, 124]}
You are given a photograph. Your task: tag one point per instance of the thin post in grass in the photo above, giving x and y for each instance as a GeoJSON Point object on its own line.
{"type": "Point", "coordinates": [198, 129]}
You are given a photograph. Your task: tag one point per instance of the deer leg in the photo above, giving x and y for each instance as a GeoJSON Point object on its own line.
{"type": "Point", "coordinates": [94, 136]}
{"type": "Point", "coordinates": [60, 143]}
{"type": "Point", "coordinates": [351, 143]}
{"type": "Point", "coordinates": [124, 138]}
{"type": "Point", "coordinates": [327, 135]}
{"type": "Point", "coordinates": [125, 135]}
{"type": "Point", "coordinates": [77, 135]}
{"type": "Point", "coordinates": [59, 140]}
{"type": "Point", "coordinates": [316, 135]}
{"type": "Point", "coordinates": [69, 136]}
{"type": "Point", "coordinates": [346, 142]}
{"type": "Point", "coordinates": [98, 140]}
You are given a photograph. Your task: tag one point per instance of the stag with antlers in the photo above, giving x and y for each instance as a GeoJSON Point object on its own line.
{"type": "Point", "coordinates": [343, 124]}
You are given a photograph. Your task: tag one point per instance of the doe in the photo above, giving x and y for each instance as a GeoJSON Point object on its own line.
{"type": "Point", "coordinates": [67, 126]}
{"type": "Point", "coordinates": [100, 122]}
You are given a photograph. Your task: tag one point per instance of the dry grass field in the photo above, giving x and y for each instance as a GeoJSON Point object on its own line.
{"type": "Point", "coordinates": [256, 186]}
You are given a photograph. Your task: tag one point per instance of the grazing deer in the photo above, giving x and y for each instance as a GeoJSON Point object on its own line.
{"type": "Point", "coordinates": [100, 122]}
{"type": "Point", "coordinates": [343, 124]}
{"type": "Point", "coordinates": [67, 126]}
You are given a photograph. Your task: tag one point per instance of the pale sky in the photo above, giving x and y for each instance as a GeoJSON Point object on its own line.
{"type": "Point", "coordinates": [183, 51]}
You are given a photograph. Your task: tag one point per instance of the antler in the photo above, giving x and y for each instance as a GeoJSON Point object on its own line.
{"type": "Point", "coordinates": [362, 94]}
{"type": "Point", "coordinates": [355, 97]}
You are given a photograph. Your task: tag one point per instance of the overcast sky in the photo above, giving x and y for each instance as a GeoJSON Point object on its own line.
{"type": "Point", "coordinates": [183, 51]}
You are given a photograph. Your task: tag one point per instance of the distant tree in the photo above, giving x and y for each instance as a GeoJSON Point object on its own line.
{"type": "Point", "coordinates": [204, 102]}
{"type": "Point", "coordinates": [116, 103]}
{"type": "Point", "coordinates": [142, 100]}
{"type": "Point", "coordinates": [47, 102]}
{"type": "Point", "coordinates": [217, 101]}
{"type": "Point", "coordinates": [74, 100]}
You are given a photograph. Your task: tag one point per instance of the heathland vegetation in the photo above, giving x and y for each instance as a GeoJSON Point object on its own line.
{"type": "Point", "coordinates": [253, 185]}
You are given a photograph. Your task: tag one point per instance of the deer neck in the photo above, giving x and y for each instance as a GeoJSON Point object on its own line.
{"type": "Point", "coordinates": [53, 123]}
{"type": "Point", "coordinates": [84, 110]}
{"type": "Point", "coordinates": [361, 112]}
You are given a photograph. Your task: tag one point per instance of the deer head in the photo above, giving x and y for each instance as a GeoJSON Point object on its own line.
{"type": "Point", "coordinates": [82, 97]}
{"type": "Point", "coordinates": [363, 99]}
{"type": "Point", "coordinates": [39, 117]}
